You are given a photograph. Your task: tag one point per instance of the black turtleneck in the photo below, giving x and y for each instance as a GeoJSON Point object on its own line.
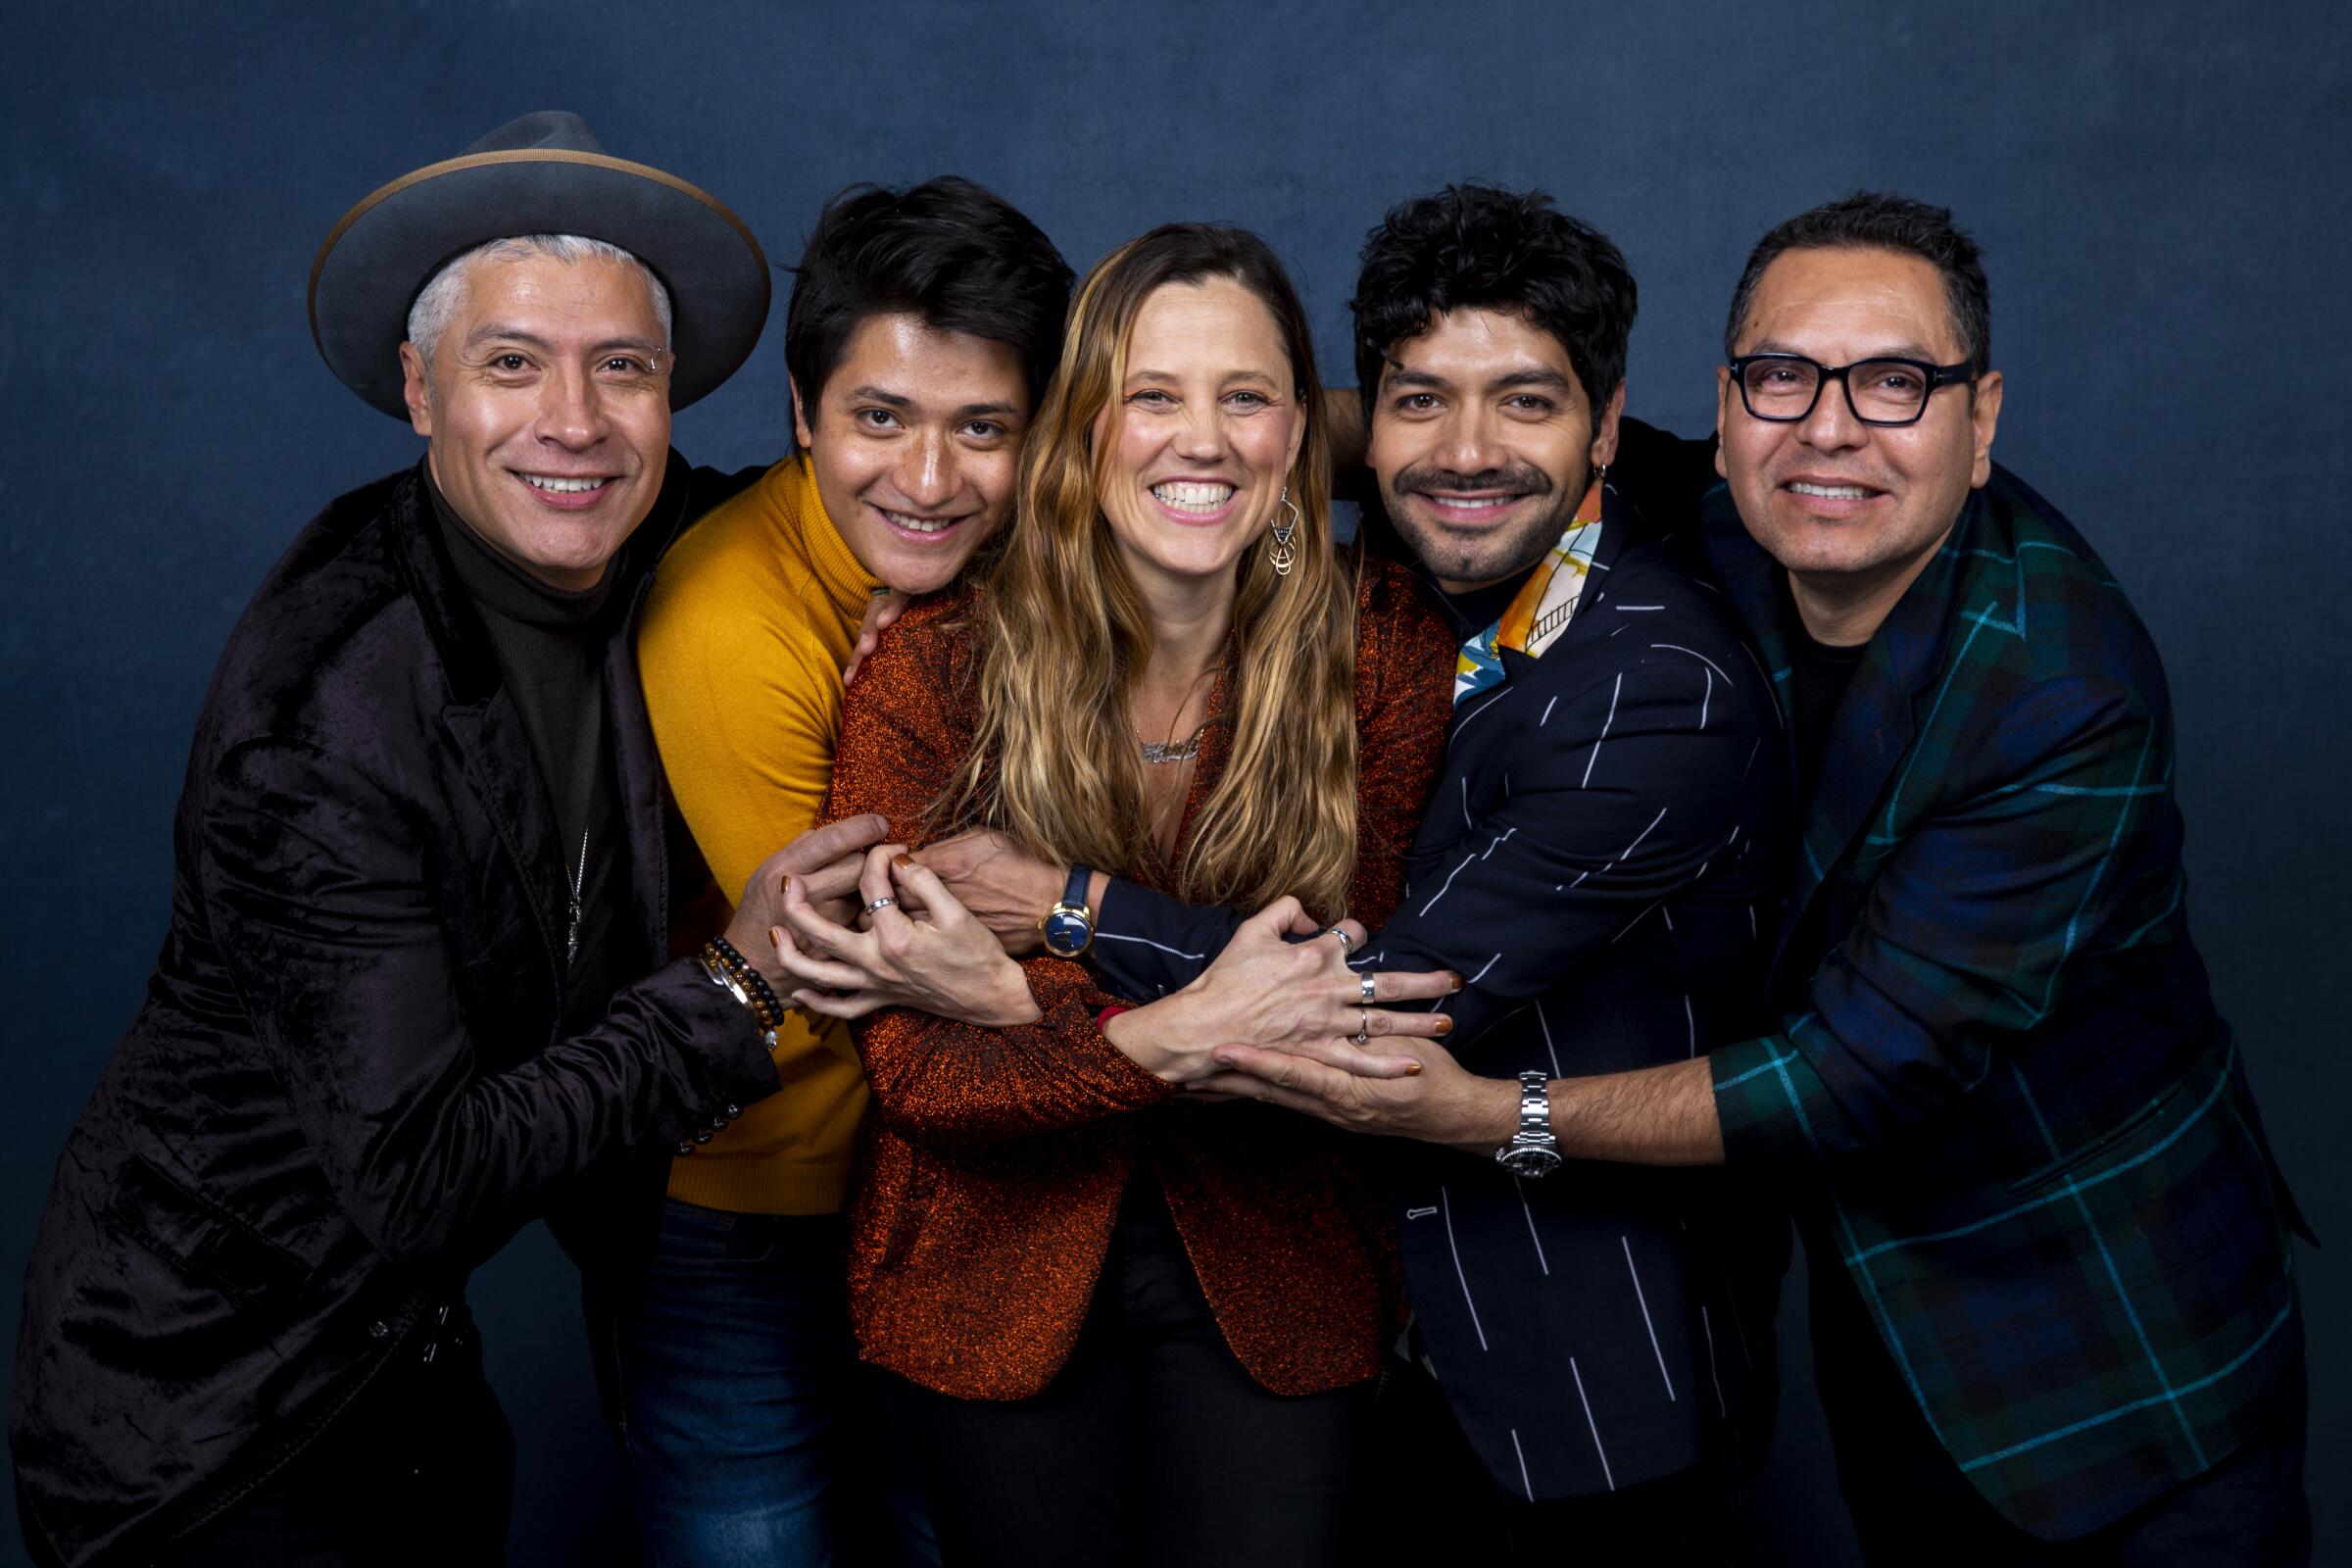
{"type": "Point", "coordinates": [550, 645]}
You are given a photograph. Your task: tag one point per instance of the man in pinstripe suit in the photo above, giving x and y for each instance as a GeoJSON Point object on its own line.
{"type": "Point", "coordinates": [2055, 1316]}
{"type": "Point", "coordinates": [1597, 864]}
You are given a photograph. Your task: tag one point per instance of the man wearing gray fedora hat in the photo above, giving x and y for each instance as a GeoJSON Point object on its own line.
{"type": "Point", "coordinates": [414, 990]}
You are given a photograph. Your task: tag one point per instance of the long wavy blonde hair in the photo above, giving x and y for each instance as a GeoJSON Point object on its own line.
{"type": "Point", "coordinates": [1064, 634]}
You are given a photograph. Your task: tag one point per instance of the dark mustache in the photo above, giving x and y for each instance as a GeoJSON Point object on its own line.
{"type": "Point", "coordinates": [1429, 480]}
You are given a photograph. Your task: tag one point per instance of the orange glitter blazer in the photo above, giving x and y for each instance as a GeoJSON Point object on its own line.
{"type": "Point", "coordinates": [992, 1176]}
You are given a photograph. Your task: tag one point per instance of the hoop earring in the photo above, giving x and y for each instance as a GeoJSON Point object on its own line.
{"type": "Point", "coordinates": [1279, 553]}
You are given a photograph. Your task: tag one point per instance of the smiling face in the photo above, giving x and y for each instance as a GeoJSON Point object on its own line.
{"type": "Point", "coordinates": [547, 407]}
{"type": "Point", "coordinates": [1485, 441]}
{"type": "Point", "coordinates": [1196, 450]}
{"type": "Point", "coordinates": [916, 444]}
{"type": "Point", "coordinates": [1853, 511]}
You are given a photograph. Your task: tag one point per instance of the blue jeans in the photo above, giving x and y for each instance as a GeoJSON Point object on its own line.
{"type": "Point", "coordinates": [752, 1429]}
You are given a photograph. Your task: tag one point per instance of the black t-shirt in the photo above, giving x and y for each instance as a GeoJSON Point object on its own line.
{"type": "Point", "coordinates": [550, 645]}
{"type": "Point", "coordinates": [1818, 677]}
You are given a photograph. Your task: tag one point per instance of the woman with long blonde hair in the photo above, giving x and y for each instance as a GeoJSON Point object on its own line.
{"type": "Point", "coordinates": [1103, 1308]}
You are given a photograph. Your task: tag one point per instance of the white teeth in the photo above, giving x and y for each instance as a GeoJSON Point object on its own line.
{"type": "Point", "coordinates": [561, 487]}
{"type": "Point", "coordinates": [1465, 504]}
{"type": "Point", "coordinates": [1186, 495]}
{"type": "Point", "coordinates": [1835, 492]}
{"type": "Point", "coordinates": [919, 525]}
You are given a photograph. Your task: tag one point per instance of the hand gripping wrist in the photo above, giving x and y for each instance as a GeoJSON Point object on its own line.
{"type": "Point", "coordinates": [1138, 1032]}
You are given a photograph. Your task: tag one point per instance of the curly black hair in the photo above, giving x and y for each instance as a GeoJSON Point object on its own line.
{"type": "Point", "coordinates": [1477, 247]}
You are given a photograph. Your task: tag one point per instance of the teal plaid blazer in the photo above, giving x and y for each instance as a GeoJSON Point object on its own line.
{"type": "Point", "coordinates": [2001, 1072]}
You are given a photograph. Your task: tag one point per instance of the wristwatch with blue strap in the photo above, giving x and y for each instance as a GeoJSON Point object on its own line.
{"type": "Point", "coordinates": [1070, 926]}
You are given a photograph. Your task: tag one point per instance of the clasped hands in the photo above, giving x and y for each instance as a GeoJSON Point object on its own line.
{"type": "Point", "coordinates": [1272, 1018]}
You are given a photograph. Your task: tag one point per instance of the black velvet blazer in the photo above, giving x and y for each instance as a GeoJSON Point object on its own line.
{"type": "Point", "coordinates": [346, 1086]}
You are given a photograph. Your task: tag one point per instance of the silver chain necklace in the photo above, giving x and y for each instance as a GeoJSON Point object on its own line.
{"type": "Point", "coordinates": [579, 874]}
{"type": "Point", "coordinates": [1172, 751]}
{"type": "Point", "coordinates": [1183, 751]}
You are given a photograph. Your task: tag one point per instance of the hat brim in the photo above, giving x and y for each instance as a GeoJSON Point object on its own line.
{"type": "Point", "coordinates": [379, 259]}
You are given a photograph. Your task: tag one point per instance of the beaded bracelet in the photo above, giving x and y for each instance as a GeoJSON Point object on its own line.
{"type": "Point", "coordinates": [724, 979]}
{"type": "Point", "coordinates": [723, 976]}
{"type": "Point", "coordinates": [748, 978]}
{"type": "Point", "coordinates": [740, 980]}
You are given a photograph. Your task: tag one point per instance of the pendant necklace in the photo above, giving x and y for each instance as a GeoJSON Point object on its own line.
{"type": "Point", "coordinates": [579, 874]}
{"type": "Point", "coordinates": [1183, 751]}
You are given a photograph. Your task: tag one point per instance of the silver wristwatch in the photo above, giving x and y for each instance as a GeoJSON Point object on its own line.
{"type": "Point", "coordinates": [1532, 1150]}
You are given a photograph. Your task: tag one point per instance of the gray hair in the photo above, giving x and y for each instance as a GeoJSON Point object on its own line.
{"type": "Point", "coordinates": [440, 299]}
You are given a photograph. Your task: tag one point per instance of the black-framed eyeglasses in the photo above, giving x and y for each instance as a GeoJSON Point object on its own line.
{"type": "Point", "coordinates": [1785, 387]}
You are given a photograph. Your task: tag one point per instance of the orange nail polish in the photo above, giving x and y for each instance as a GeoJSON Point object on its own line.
{"type": "Point", "coordinates": [1412, 1069]}
{"type": "Point", "coordinates": [1445, 1026]}
{"type": "Point", "coordinates": [904, 862]}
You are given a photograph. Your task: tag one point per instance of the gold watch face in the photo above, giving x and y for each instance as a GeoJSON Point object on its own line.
{"type": "Point", "coordinates": [1067, 930]}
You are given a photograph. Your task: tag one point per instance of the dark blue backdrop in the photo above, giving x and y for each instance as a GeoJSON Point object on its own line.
{"type": "Point", "coordinates": [2158, 188]}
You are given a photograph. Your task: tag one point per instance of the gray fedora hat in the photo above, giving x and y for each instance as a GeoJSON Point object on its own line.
{"type": "Point", "coordinates": [543, 174]}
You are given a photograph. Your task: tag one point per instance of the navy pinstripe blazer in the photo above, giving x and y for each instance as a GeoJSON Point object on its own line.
{"type": "Point", "coordinates": [1597, 862]}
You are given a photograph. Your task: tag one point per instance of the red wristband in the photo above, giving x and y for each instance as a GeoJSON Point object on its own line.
{"type": "Point", "coordinates": [1103, 1018]}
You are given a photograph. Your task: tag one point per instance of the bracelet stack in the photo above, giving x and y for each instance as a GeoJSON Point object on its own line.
{"type": "Point", "coordinates": [751, 979]}
{"type": "Point", "coordinates": [730, 973]}
{"type": "Point", "coordinates": [728, 969]}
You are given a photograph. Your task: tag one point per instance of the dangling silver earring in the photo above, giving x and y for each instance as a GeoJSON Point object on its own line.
{"type": "Point", "coordinates": [1280, 554]}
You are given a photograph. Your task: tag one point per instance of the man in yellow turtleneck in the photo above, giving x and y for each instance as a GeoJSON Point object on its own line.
{"type": "Point", "coordinates": [922, 326]}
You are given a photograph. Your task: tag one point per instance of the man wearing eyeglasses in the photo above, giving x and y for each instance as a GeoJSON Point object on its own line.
{"type": "Point", "coordinates": [2052, 1289]}
{"type": "Point", "coordinates": [2054, 1317]}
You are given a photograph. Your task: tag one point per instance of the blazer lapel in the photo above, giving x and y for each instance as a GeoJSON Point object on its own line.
{"type": "Point", "coordinates": [636, 763]}
{"type": "Point", "coordinates": [638, 771]}
{"type": "Point", "coordinates": [1751, 580]}
{"type": "Point", "coordinates": [505, 779]}
{"type": "Point", "coordinates": [481, 720]}
{"type": "Point", "coordinates": [1619, 522]}
{"type": "Point", "coordinates": [488, 731]}
{"type": "Point", "coordinates": [1877, 720]}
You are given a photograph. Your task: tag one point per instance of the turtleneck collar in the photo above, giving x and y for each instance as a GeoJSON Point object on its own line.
{"type": "Point", "coordinates": [845, 579]}
{"type": "Point", "coordinates": [498, 585]}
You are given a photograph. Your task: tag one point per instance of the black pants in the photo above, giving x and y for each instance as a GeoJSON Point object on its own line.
{"type": "Point", "coordinates": [1151, 1446]}
{"type": "Point", "coordinates": [418, 1469]}
{"type": "Point", "coordinates": [1910, 1503]}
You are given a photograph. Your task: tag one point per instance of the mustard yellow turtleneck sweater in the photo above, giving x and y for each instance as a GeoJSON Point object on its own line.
{"type": "Point", "coordinates": [751, 619]}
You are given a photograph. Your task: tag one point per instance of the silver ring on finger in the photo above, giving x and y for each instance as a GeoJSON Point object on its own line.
{"type": "Point", "coordinates": [1347, 947]}
{"type": "Point", "coordinates": [880, 904]}
{"type": "Point", "coordinates": [1363, 1026]}
{"type": "Point", "coordinates": [1366, 988]}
